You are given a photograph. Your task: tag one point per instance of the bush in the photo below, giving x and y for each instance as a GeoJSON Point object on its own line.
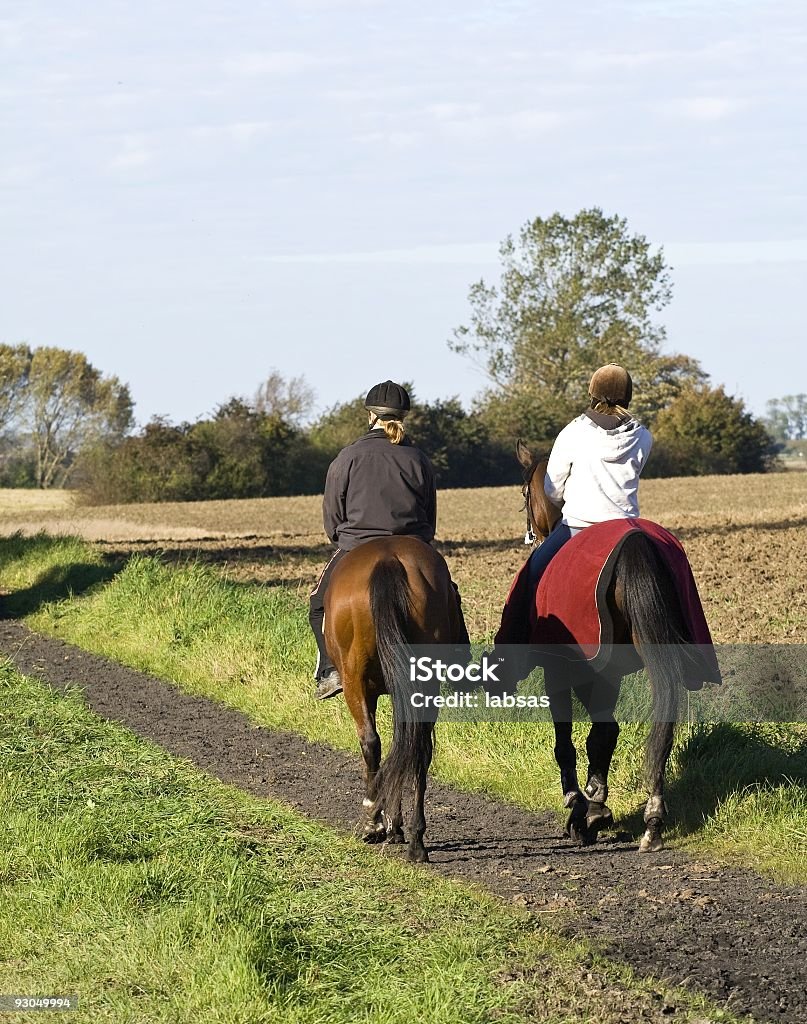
{"type": "Point", "coordinates": [704, 431]}
{"type": "Point", "coordinates": [239, 453]}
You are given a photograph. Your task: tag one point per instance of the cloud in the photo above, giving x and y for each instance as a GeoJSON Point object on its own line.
{"type": "Point", "coordinates": [452, 111]}
{"type": "Point", "coordinates": [680, 254]}
{"type": "Point", "coordinates": [703, 108]}
{"type": "Point", "coordinates": [278, 62]}
{"type": "Point", "coordinates": [520, 125]}
{"type": "Point", "coordinates": [471, 252]}
{"type": "Point", "coordinates": [241, 132]}
{"type": "Point", "coordinates": [122, 98]}
{"type": "Point", "coordinates": [526, 124]}
{"type": "Point", "coordinates": [394, 139]}
{"type": "Point", "coordinates": [696, 254]}
{"type": "Point", "coordinates": [599, 60]}
{"type": "Point", "coordinates": [719, 52]}
{"type": "Point", "coordinates": [18, 175]}
{"type": "Point", "coordinates": [334, 5]}
{"type": "Point", "coordinates": [12, 34]}
{"type": "Point", "coordinates": [134, 152]}
{"type": "Point", "coordinates": [248, 131]}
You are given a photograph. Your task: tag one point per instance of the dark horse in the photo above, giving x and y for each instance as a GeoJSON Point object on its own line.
{"type": "Point", "coordinates": [383, 595]}
{"type": "Point", "coordinates": [646, 612]}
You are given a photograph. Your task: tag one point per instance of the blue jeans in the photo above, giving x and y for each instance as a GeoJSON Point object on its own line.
{"type": "Point", "coordinates": [544, 553]}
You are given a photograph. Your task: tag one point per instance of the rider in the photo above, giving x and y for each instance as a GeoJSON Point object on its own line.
{"type": "Point", "coordinates": [593, 470]}
{"type": "Point", "coordinates": [379, 486]}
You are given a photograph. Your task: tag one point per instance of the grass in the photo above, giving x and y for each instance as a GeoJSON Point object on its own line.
{"type": "Point", "coordinates": [156, 894]}
{"type": "Point", "coordinates": [736, 791]}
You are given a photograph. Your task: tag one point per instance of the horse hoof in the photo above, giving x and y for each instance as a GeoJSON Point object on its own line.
{"type": "Point", "coordinates": [652, 841]}
{"type": "Point", "coordinates": [418, 855]}
{"type": "Point", "coordinates": [373, 837]}
{"type": "Point", "coordinates": [396, 837]}
{"type": "Point", "coordinates": [579, 834]}
{"type": "Point", "coordinates": [374, 832]}
{"type": "Point", "coordinates": [598, 817]}
{"type": "Point", "coordinates": [576, 828]}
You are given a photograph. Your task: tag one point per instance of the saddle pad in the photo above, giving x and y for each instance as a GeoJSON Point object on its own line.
{"type": "Point", "coordinates": [570, 604]}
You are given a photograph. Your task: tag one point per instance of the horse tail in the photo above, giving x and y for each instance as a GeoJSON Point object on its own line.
{"type": "Point", "coordinates": [412, 746]}
{"type": "Point", "coordinates": [653, 610]}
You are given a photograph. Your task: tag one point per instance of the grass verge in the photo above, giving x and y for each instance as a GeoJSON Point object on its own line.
{"type": "Point", "coordinates": [156, 894]}
{"type": "Point", "coordinates": [735, 791]}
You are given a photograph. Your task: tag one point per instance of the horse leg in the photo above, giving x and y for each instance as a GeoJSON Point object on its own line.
{"type": "Point", "coordinates": [394, 824]}
{"type": "Point", "coordinates": [599, 696]}
{"type": "Point", "coordinates": [560, 704]}
{"type": "Point", "coordinates": [659, 746]}
{"type": "Point", "coordinates": [417, 827]}
{"type": "Point", "coordinates": [363, 709]}
{"type": "Point", "coordinates": [600, 746]}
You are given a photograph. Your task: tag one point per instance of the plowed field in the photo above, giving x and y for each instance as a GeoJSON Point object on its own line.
{"type": "Point", "coordinates": [745, 536]}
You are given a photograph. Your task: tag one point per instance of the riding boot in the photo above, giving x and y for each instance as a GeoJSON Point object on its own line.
{"type": "Point", "coordinates": [328, 680]}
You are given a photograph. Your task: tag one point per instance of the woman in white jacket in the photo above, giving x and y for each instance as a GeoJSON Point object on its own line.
{"type": "Point", "coordinates": [593, 470]}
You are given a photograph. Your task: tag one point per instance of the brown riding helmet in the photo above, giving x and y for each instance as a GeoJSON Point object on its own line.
{"type": "Point", "coordinates": [611, 384]}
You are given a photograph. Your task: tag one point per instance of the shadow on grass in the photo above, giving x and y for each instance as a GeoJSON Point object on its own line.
{"type": "Point", "coordinates": [214, 552]}
{"type": "Point", "coordinates": [718, 761]}
{"type": "Point", "coordinates": [53, 582]}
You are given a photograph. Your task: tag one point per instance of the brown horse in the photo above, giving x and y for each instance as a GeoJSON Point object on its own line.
{"type": "Point", "coordinates": [646, 612]}
{"type": "Point", "coordinates": [383, 595]}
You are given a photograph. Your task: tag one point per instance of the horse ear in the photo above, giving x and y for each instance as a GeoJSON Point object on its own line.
{"type": "Point", "coordinates": [523, 454]}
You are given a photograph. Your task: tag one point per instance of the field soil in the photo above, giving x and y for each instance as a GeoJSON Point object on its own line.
{"type": "Point", "coordinates": [745, 537]}
{"type": "Point", "coordinates": [737, 938]}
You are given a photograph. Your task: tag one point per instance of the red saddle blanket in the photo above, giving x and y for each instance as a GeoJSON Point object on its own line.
{"type": "Point", "coordinates": [569, 607]}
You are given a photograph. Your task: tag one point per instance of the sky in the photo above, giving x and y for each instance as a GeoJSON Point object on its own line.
{"type": "Point", "coordinates": [196, 194]}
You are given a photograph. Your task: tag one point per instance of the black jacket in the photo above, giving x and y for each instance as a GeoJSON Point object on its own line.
{"type": "Point", "coordinates": [378, 489]}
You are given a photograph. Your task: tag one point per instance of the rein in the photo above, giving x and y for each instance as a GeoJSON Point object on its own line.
{"type": "Point", "coordinates": [529, 535]}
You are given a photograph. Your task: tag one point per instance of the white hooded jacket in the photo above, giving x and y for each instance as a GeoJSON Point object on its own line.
{"type": "Point", "coordinates": [594, 473]}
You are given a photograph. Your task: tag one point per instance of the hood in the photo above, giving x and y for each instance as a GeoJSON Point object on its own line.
{"type": "Point", "coordinates": [617, 444]}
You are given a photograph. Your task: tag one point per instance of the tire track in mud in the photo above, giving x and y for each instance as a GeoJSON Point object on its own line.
{"type": "Point", "coordinates": [739, 939]}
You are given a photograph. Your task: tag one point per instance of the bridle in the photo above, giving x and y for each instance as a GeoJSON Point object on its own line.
{"type": "Point", "coordinates": [529, 535]}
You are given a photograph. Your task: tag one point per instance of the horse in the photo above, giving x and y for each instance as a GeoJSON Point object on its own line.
{"type": "Point", "coordinates": [384, 595]}
{"type": "Point", "coordinates": [647, 613]}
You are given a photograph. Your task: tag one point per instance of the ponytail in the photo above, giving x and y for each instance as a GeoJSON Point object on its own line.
{"type": "Point", "coordinates": [394, 429]}
{"type": "Point", "coordinates": [610, 408]}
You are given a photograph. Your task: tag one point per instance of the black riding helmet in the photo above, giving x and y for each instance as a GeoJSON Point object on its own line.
{"type": "Point", "coordinates": [388, 400]}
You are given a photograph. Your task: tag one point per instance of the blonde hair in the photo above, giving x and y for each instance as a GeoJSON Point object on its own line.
{"type": "Point", "coordinates": [394, 429]}
{"type": "Point", "coordinates": [600, 405]}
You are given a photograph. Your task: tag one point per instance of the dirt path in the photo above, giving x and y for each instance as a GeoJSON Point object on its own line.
{"type": "Point", "coordinates": [739, 939]}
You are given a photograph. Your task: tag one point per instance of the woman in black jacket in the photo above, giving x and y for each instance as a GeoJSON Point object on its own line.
{"type": "Point", "coordinates": [380, 486]}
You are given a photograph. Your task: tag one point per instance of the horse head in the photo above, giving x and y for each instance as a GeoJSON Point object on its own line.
{"type": "Point", "coordinates": [541, 513]}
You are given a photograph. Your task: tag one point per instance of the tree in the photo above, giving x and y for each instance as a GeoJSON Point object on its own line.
{"type": "Point", "coordinates": [290, 400]}
{"type": "Point", "coordinates": [339, 425]}
{"type": "Point", "coordinates": [59, 401]}
{"type": "Point", "coordinates": [787, 417]}
{"type": "Point", "coordinates": [574, 294]}
{"type": "Point", "coordinates": [160, 463]}
{"type": "Point", "coordinates": [704, 430]}
{"type": "Point", "coordinates": [15, 363]}
{"type": "Point", "coordinates": [237, 453]}
{"type": "Point", "coordinates": [254, 454]}
{"type": "Point", "coordinates": [68, 403]}
{"type": "Point", "coordinates": [459, 446]}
